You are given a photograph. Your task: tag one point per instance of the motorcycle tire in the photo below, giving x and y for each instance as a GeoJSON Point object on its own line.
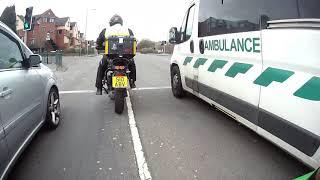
{"type": "Point", "coordinates": [119, 100]}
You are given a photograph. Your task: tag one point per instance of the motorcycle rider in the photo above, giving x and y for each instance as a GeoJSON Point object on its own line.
{"type": "Point", "coordinates": [116, 28]}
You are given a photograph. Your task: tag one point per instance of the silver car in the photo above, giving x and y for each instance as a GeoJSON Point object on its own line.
{"type": "Point", "coordinates": [29, 97]}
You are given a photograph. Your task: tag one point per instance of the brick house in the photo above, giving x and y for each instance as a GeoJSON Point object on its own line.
{"type": "Point", "coordinates": [62, 33]}
{"type": "Point", "coordinates": [74, 35]}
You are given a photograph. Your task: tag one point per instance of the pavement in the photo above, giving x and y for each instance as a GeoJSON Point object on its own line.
{"type": "Point", "coordinates": [181, 138]}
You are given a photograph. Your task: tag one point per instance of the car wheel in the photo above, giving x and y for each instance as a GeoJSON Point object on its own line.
{"type": "Point", "coordinates": [53, 116]}
{"type": "Point", "coordinates": [176, 84]}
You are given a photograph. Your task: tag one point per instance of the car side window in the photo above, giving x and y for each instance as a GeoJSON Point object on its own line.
{"type": "Point", "coordinates": [10, 54]}
{"type": "Point", "coordinates": [183, 28]}
{"type": "Point", "coordinates": [190, 23]}
{"type": "Point", "coordinates": [236, 16]}
{"type": "Point", "coordinates": [187, 25]}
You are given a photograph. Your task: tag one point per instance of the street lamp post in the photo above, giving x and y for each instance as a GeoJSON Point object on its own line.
{"type": "Point", "coordinates": [86, 29]}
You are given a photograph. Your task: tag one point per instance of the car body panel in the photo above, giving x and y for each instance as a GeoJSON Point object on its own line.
{"type": "Point", "coordinates": [3, 148]}
{"type": "Point", "coordinates": [23, 109]}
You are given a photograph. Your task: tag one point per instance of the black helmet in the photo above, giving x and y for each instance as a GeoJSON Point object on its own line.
{"type": "Point", "coordinates": [116, 19]}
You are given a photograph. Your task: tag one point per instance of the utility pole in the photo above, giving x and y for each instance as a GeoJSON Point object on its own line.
{"type": "Point", "coordinates": [25, 37]}
{"type": "Point", "coordinates": [86, 32]}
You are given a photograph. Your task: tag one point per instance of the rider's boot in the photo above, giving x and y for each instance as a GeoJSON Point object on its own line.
{"type": "Point", "coordinates": [99, 91]}
{"type": "Point", "coordinates": [132, 83]}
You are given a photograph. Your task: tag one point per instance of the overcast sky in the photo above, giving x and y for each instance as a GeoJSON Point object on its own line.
{"type": "Point", "coordinates": [147, 18]}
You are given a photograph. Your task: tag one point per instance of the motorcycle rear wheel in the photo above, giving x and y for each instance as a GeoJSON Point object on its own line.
{"type": "Point", "coordinates": [119, 100]}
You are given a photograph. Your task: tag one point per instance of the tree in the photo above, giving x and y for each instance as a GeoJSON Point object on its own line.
{"type": "Point", "coordinates": [146, 44]}
{"type": "Point", "coordinates": [8, 17]}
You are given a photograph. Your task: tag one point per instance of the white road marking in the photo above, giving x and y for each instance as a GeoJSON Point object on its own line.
{"type": "Point", "coordinates": [141, 160]}
{"type": "Point", "coordinates": [93, 91]}
{"type": "Point", "coordinates": [150, 88]}
{"type": "Point", "coordinates": [77, 92]}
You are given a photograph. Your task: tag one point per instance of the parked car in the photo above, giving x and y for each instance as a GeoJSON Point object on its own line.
{"type": "Point", "coordinates": [257, 61]}
{"type": "Point", "coordinates": [29, 98]}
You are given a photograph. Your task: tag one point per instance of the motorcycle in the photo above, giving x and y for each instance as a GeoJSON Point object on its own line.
{"type": "Point", "coordinates": [120, 51]}
{"type": "Point", "coordinates": [116, 82]}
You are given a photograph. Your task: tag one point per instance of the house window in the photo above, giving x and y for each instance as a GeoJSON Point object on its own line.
{"type": "Point", "coordinates": [43, 29]}
{"type": "Point", "coordinates": [51, 20]}
{"type": "Point", "coordinates": [32, 42]}
{"type": "Point", "coordinates": [45, 20]}
{"type": "Point", "coordinates": [59, 31]}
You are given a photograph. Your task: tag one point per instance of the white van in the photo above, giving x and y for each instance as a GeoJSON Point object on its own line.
{"type": "Point", "coordinates": [259, 62]}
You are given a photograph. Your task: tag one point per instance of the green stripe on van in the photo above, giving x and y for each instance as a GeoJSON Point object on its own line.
{"type": "Point", "coordinates": [237, 68]}
{"type": "Point", "coordinates": [217, 64]}
{"type": "Point", "coordinates": [310, 90]}
{"type": "Point", "coordinates": [199, 62]}
{"type": "Point", "coordinates": [273, 74]}
{"type": "Point", "coordinates": [187, 60]}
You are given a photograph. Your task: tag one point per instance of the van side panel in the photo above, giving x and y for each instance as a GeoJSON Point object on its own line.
{"type": "Point", "coordinates": [290, 93]}
{"type": "Point", "coordinates": [228, 68]}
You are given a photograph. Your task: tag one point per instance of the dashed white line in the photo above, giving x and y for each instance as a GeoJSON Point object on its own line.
{"type": "Point", "coordinates": [141, 160]}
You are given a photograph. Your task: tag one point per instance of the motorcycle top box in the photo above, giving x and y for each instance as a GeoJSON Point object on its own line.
{"type": "Point", "coordinates": [120, 46]}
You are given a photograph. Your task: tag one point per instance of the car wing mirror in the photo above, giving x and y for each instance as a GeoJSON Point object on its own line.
{"type": "Point", "coordinates": [174, 36]}
{"type": "Point", "coordinates": [35, 60]}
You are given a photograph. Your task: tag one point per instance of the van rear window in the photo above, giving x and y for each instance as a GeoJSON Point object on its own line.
{"type": "Point", "coordinates": [232, 16]}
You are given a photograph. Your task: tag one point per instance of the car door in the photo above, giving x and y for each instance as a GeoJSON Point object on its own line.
{"type": "Point", "coordinates": [20, 98]}
{"type": "Point", "coordinates": [3, 148]}
{"type": "Point", "coordinates": [185, 48]}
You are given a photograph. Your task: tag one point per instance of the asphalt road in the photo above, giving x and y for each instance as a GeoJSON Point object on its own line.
{"type": "Point", "coordinates": [181, 138]}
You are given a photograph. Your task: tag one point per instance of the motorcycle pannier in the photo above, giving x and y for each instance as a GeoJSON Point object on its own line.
{"type": "Point", "coordinates": [123, 46]}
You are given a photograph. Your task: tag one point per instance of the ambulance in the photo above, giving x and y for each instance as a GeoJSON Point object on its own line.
{"type": "Point", "coordinates": [258, 61]}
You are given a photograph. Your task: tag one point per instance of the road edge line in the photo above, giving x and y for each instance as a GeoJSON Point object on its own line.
{"type": "Point", "coordinates": [137, 146]}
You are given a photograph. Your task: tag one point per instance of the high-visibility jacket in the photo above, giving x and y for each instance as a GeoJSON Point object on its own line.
{"type": "Point", "coordinates": [113, 30]}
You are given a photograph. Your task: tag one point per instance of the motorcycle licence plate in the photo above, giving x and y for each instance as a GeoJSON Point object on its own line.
{"type": "Point", "coordinates": [119, 81]}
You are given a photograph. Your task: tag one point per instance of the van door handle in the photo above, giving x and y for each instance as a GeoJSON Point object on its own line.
{"type": "Point", "coordinates": [201, 46]}
{"type": "Point", "coordinates": [6, 92]}
{"type": "Point", "coordinates": [191, 46]}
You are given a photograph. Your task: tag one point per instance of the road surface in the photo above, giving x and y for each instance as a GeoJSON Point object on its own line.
{"type": "Point", "coordinates": [181, 138]}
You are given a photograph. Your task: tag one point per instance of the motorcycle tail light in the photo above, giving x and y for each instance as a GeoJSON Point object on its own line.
{"type": "Point", "coordinates": [119, 67]}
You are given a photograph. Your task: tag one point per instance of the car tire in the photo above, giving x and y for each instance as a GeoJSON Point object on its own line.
{"type": "Point", "coordinates": [53, 115]}
{"type": "Point", "coordinates": [176, 83]}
